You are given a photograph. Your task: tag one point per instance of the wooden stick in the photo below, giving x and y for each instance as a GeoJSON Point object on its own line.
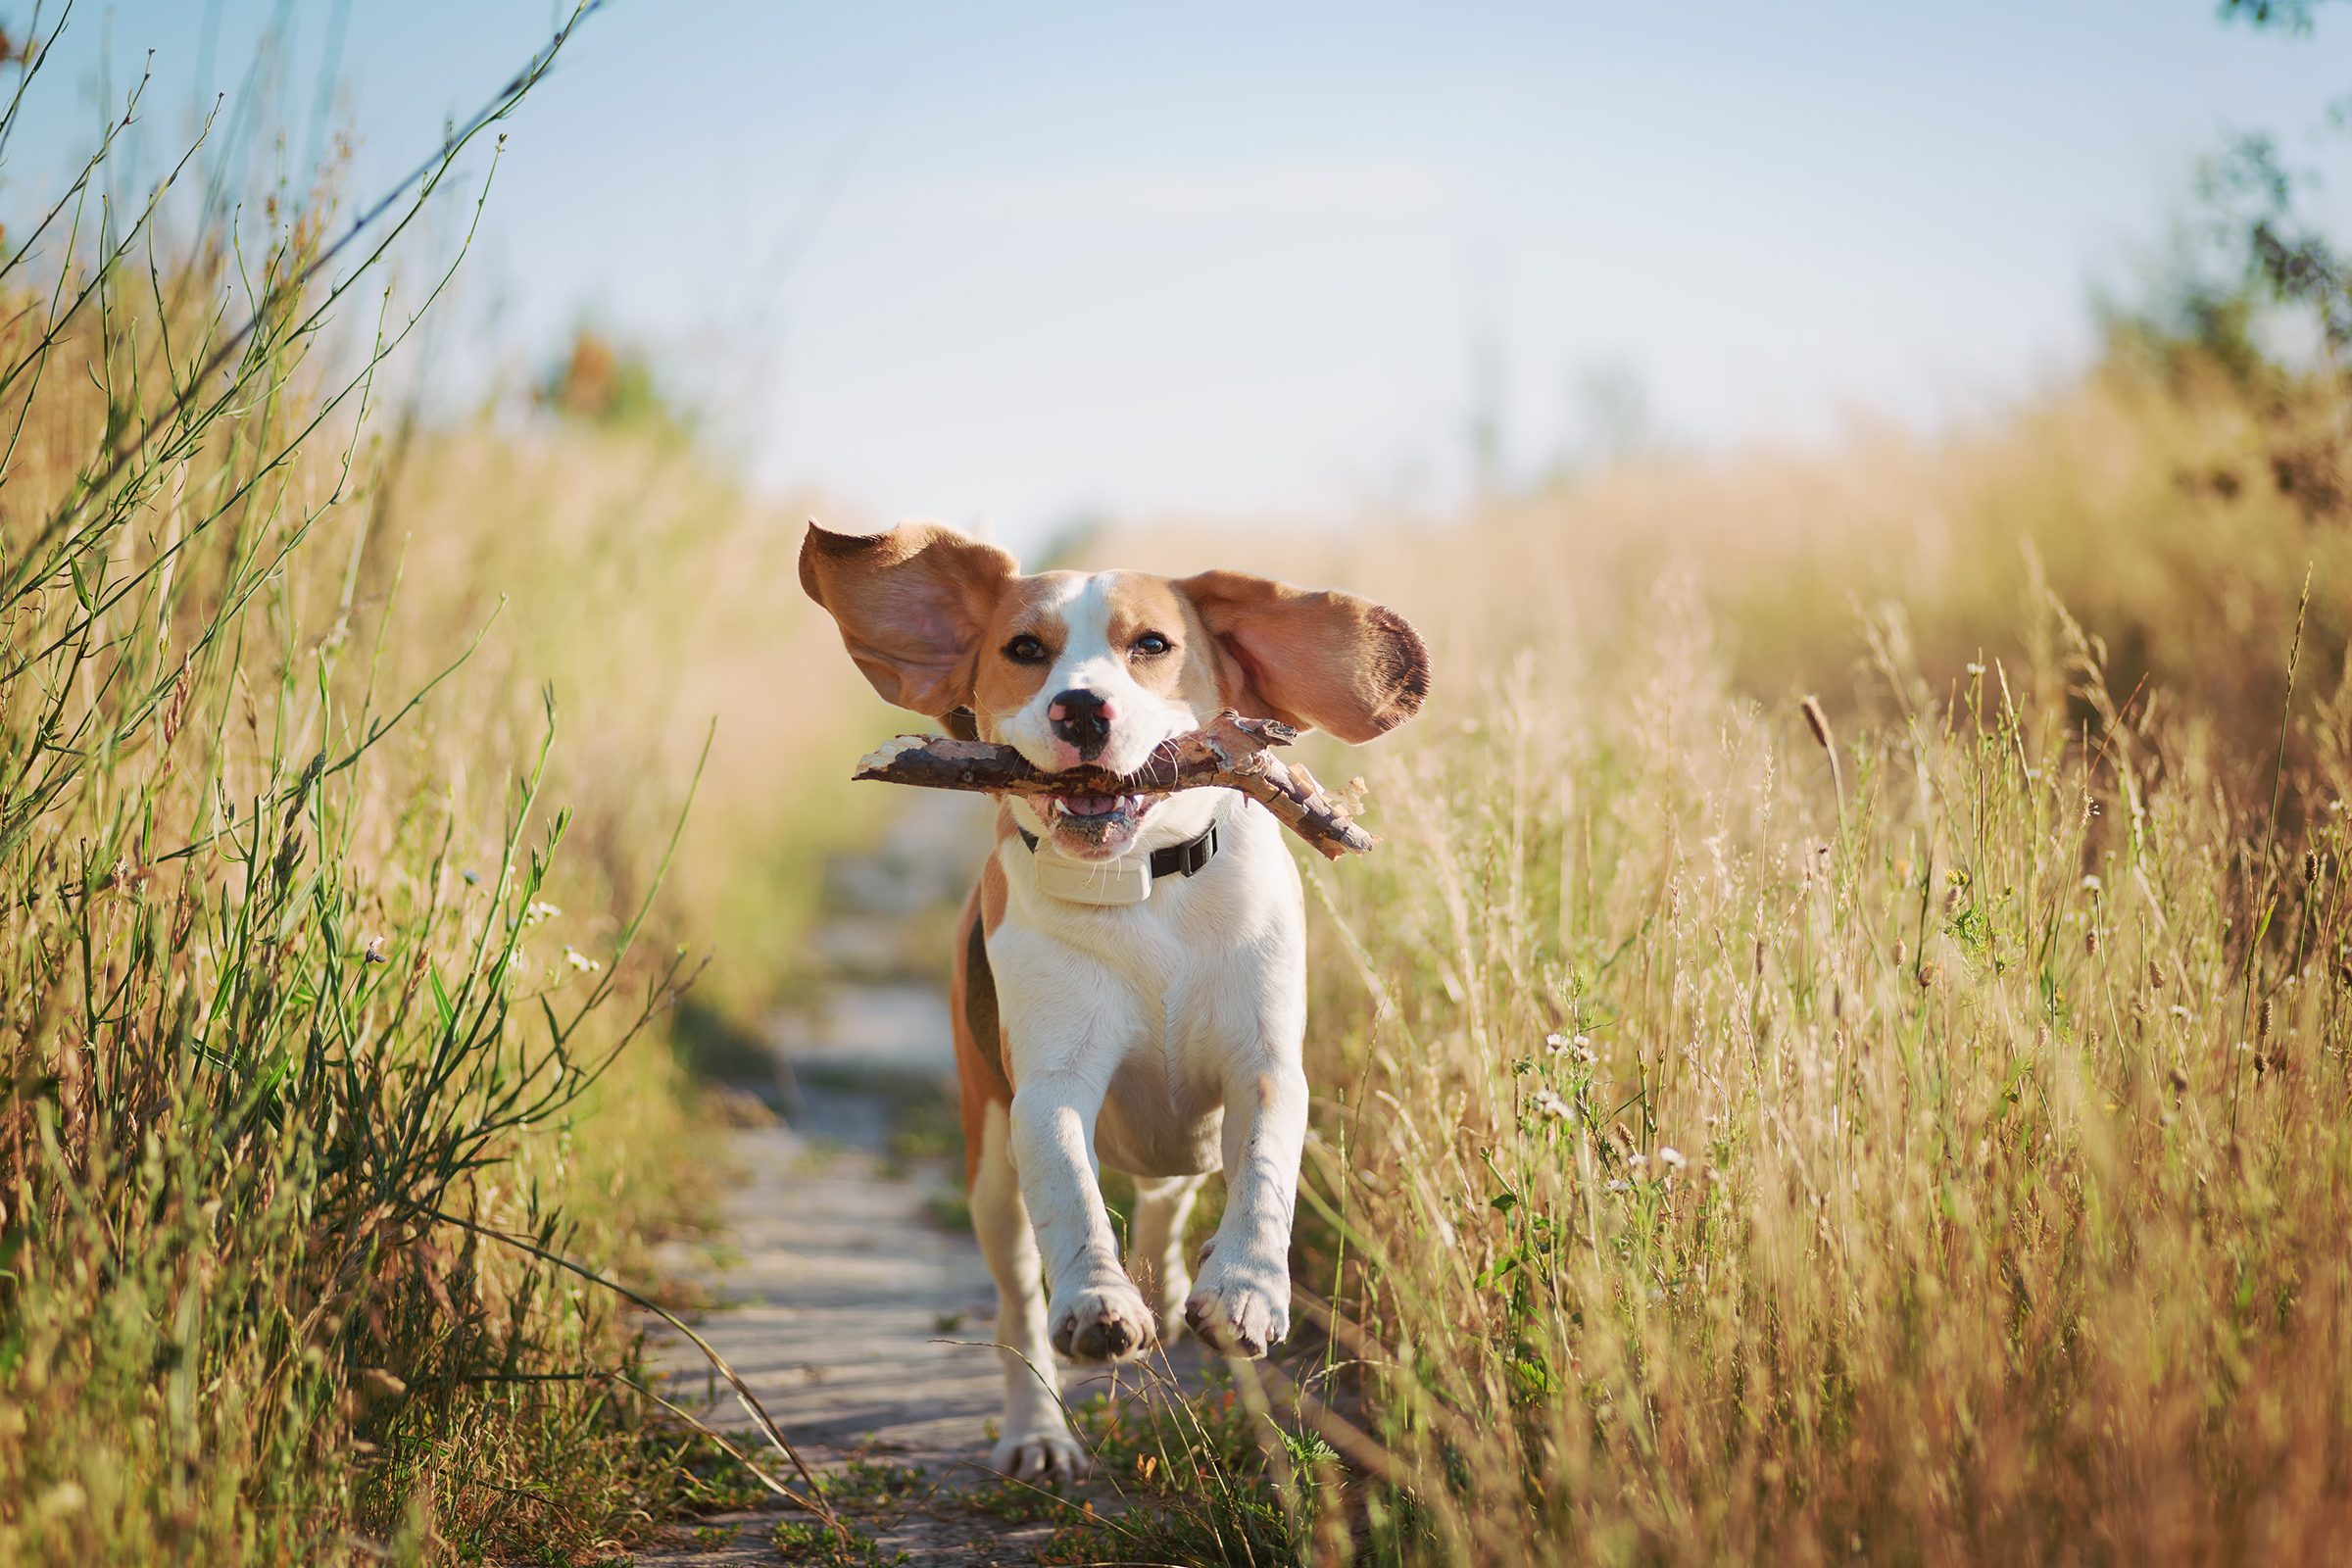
{"type": "Point", "coordinates": [1230, 752]}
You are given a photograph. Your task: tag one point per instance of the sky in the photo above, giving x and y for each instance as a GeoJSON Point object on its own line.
{"type": "Point", "coordinates": [1013, 265]}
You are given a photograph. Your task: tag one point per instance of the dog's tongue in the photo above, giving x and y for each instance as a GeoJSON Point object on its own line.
{"type": "Point", "coordinates": [1089, 805]}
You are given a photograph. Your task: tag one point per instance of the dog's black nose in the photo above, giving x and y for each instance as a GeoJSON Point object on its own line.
{"type": "Point", "coordinates": [1082, 720]}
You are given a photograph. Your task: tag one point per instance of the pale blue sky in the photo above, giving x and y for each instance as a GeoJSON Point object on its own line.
{"type": "Point", "coordinates": [1235, 259]}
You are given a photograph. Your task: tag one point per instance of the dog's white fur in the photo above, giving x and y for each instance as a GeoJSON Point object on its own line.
{"type": "Point", "coordinates": [1163, 1037]}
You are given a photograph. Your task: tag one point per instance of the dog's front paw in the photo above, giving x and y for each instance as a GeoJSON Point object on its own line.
{"type": "Point", "coordinates": [1049, 1453]}
{"type": "Point", "coordinates": [1104, 1323]}
{"type": "Point", "coordinates": [1240, 1309]}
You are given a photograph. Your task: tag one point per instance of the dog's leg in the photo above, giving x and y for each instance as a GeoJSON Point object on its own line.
{"type": "Point", "coordinates": [1034, 1440]}
{"type": "Point", "coordinates": [1155, 1248]}
{"type": "Point", "coordinates": [1240, 1300]}
{"type": "Point", "coordinates": [1096, 1312]}
{"type": "Point", "coordinates": [1066, 1039]}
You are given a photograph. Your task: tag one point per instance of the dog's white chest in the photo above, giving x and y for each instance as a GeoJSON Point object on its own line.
{"type": "Point", "coordinates": [1164, 1005]}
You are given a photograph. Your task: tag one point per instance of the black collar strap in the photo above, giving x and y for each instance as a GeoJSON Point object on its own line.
{"type": "Point", "coordinates": [1177, 859]}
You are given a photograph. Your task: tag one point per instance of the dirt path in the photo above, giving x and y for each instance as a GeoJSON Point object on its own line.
{"type": "Point", "coordinates": [852, 1299]}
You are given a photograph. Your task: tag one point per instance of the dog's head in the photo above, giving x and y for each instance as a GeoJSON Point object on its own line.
{"type": "Point", "coordinates": [1070, 668]}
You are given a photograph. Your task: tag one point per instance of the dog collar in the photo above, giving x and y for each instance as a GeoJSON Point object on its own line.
{"type": "Point", "coordinates": [1121, 881]}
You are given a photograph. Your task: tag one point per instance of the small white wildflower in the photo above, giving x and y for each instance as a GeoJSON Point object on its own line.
{"type": "Point", "coordinates": [1582, 1046]}
{"type": "Point", "coordinates": [580, 961]}
{"type": "Point", "coordinates": [1638, 1161]}
{"type": "Point", "coordinates": [2181, 1013]}
{"type": "Point", "coordinates": [1551, 1105]}
{"type": "Point", "coordinates": [1670, 1156]}
{"type": "Point", "coordinates": [2091, 883]}
{"type": "Point", "coordinates": [375, 952]}
{"type": "Point", "coordinates": [1556, 1042]}
{"type": "Point", "coordinates": [1975, 669]}
{"type": "Point", "coordinates": [1617, 1186]}
{"type": "Point", "coordinates": [539, 910]}
{"type": "Point", "coordinates": [61, 1500]}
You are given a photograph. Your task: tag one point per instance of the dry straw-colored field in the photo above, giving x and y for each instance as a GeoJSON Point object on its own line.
{"type": "Point", "coordinates": [341, 755]}
{"type": "Point", "coordinates": [1908, 1129]}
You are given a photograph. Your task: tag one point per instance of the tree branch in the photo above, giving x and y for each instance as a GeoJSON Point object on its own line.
{"type": "Point", "coordinates": [1229, 753]}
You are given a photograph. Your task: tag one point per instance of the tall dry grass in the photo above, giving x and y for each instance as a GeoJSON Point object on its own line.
{"type": "Point", "coordinates": [1908, 1130]}
{"type": "Point", "coordinates": [1722, 1154]}
{"type": "Point", "coordinates": [658, 596]}
{"type": "Point", "coordinates": [313, 988]}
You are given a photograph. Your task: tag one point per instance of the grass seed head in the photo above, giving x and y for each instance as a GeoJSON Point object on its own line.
{"type": "Point", "coordinates": [1818, 722]}
{"type": "Point", "coordinates": [376, 1386]}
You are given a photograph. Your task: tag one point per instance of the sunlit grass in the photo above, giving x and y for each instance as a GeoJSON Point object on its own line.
{"type": "Point", "coordinates": [1722, 1155]}
{"type": "Point", "coordinates": [1908, 1129]}
{"type": "Point", "coordinates": [312, 990]}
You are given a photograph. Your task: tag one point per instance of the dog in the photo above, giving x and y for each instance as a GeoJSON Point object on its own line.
{"type": "Point", "coordinates": [1130, 978]}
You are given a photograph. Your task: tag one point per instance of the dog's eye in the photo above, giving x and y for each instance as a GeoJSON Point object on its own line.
{"type": "Point", "coordinates": [1151, 645]}
{"type": "Point", "coordinates": [1025, 649]}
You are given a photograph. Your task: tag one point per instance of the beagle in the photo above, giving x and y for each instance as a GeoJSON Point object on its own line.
{"type": "Point", "coordinates": [1130, 982]}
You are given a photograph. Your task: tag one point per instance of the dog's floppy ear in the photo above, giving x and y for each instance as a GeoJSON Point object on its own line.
{"type": "Point", "coordinates": [1323, 660]}
{"type": "Point", "coordinates": [910, 604]}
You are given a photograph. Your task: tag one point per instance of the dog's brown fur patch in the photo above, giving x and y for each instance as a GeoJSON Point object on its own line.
{"type": "Point", "coordinates": [983, 1074]}
{"type": "Point", "coordinates": [1311, 658]}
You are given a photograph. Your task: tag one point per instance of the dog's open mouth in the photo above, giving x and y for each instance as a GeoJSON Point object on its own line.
{"type": "Point", "coordinates": [1095, 827]}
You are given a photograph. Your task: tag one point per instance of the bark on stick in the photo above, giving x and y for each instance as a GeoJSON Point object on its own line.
{"type": "Point", "coordinates": [1230, 752]}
